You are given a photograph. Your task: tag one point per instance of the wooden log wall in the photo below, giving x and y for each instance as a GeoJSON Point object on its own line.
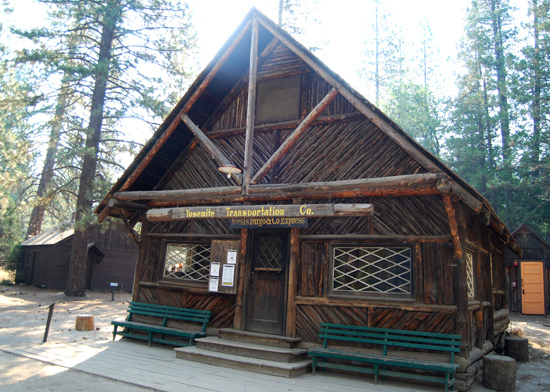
{"type": "Point", "coordinates": [412, 215]}
{"type": "Point", "coordinates": [221, 306]}
{"type": "Point", "coordinates": [309, 319]}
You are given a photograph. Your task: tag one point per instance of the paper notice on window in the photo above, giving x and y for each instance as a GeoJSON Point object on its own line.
{"type": "Point", "coordinates": [215, 270]}
{"type": "Point", "coordinates": [228, 275]}
{"type": "Point", "coordinates": [231, 257]}
{"type": "Point", "coordinates": [213, 284]}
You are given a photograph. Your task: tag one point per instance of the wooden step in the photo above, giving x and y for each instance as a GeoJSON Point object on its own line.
{"type": "Point", "coordinates": [281, 369]}
{"type": "Point", "coordinates": [251, 350]}
{"type": "Point", "coordinates": [263, 339]}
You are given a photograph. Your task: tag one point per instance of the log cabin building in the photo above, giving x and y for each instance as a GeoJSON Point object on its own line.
{"type": "Point", "coordinates": [329, 211]}
{"type": "Point", "coordinates": [528, 277]}
{"type": "Point", "coordinates": [112, 256]}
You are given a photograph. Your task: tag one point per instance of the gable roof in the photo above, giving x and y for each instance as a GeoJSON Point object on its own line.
{"type": "Point", "coordinates": [528, 229]}
{"type": "Point", "coordinates": [52, 236]}
{"type": "Point", "coordinates": [152, 166]}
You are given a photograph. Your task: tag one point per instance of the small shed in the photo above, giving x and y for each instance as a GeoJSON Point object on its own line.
{"type": "Point", "coordinates": [528, 277]}
{"type": "Point", "coordinates": [338, 215]}
{"type": "Point", "coordinates": [112, 256]}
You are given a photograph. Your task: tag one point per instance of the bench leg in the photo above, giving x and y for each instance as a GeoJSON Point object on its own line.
{"type": "Point", "coordinates": [114, 332]}
{"type": "Point", "coordinates": [313, 364]}
{"type": "Point", "coordinates": [376, 374]}
{"type": "Point", "coordinates": [150, 338]}
{"type": "Point", "coordinates": [449, 377]}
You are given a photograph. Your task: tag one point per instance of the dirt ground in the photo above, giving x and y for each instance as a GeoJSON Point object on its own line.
{"type": "Point", "coordinates": [24, 312]}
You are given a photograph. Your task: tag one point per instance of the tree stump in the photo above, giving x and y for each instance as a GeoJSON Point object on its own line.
{"type": "Point", "coordinates": [84, 322]}
{"type": "Point", "coordinates": [517, 348]}
{"type": "Point", "coordinates": [499, 372]}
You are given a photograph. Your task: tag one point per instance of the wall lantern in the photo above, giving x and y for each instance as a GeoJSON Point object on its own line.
{"type": "Point", "coordinates": [515, 263]}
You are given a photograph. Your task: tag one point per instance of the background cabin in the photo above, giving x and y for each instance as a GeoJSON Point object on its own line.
{"type": "Point", "coordinates": [112, 256]}
{"type": "Point", "coordinates": [528, 277]}
{"type": "Point", "coordinates": [338, 215]}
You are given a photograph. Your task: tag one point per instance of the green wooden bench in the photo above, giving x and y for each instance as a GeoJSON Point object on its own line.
{"type": "Point", "coordinates": [384, 338]}
{"type": "Point", "coordinates": [156, 327]}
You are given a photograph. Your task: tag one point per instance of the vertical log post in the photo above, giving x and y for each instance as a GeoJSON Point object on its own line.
{"type": "Point", "coordinates": [418, 273]}
{"type": "Point", "coordinates": [251, 108]}
{"type": "Point", "coordinates": [238, 319]}
{"type": "Point", "coordinates": [141, 257]}
{"type": "Point", "coordinates": [292, 282]}
{"type": "Point", "coordinates": [460, 280]}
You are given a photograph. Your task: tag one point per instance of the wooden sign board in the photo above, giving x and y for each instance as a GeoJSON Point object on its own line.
{"type": "Point", "coordinates": [224, 266]}
{"type": "Point", "coordinates": [267, 223]}
{"type": "Point", "coordinates": [262, 211]}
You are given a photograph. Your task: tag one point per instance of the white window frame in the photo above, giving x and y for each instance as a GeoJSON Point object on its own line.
{"type": "Point", "coordinates": [373, 271]}
{"type": "Point", "coordinates": [470, 275]}
{"type": "Point", "coordinates": [186, 262]}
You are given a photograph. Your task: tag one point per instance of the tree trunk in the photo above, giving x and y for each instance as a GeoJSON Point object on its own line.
{"type": "Point", "coordinates": [536, 89]}
{"type": "Point", "coordinates": [501, 83]}
{"type": "Point", "coordinates": [76, 284]}
{"type": "Point", "coordinates": [37, 215]}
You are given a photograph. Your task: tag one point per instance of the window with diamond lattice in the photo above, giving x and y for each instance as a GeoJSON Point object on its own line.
{"type": "Point", "coordinates": [371, 270]}
{"type": "Point", "coordinates": [187, 262]}
{"type": "Point", "coordinates": [470, 274]}
{"type": "Point", "coordinates": [270, 255]}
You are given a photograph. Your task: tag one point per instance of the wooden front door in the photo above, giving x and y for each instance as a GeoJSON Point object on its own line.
{"type": "Point", "coordinates": [265, 305]}
{"type": "Point", "coordinates": [532, 285]}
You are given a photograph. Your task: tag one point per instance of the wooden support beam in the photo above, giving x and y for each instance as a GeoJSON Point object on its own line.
{"type": "Point", "coordinates": [104, 213]}
{"type": "Point", "coordinates": [251, 108]}
{"type": "Point", "coordinates": [135, 236]}
{"type": "Point", "coordinates": [375, 304]}
{"type": "Point", "coordinates": [193, 236]}
{"type": "Point", "coordinates": [141, 262]}
{"type": "Point", "coordinates": [243, 273]}
{"type": "Point", "coordinates": [135, 218]}
{"type": "Point", "coordinates": [405, 185]}
{"type": "Point", "coordinates": [293, 138]}
{"type": "Point", "coordinates": [451, 216]}
{"type": "Point", "coordinates": [293, 274]}
{"type": "Point", "coordinates": [177, 119]}
{"type": "Point", "coordinates": [114, 204]}
{"type": "Point", "coordinates": [217, 155]}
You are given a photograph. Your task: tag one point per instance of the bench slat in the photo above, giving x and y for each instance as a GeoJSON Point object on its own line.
{"type": "Point", "coordinates": [400, 331]}
{"type": "Point", "coordinates": [393, 336]}
{"type": "Point", "coordinates": [163, 314]}
{"type": "Point", "coordinates": [385, 337]}
{"type": "Point", "coordinates": [384, 342]}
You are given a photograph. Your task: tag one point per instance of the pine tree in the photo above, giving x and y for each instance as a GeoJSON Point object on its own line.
{"type": "Point", "coordinates": [17, 103]}
{"type": "Point", "coordinates": [385, 64]}
{"type": "Point", "coordinates": [532, 96]}
{"type": "Point", "coordinates": [125, 54]}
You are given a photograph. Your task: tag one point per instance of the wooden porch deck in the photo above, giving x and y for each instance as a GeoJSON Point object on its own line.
{"type": "Point", "coordinates": [157, 367]}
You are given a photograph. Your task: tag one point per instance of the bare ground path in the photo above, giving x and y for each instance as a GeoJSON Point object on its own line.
{"type": "Point", "coordinates": [89, 361]}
